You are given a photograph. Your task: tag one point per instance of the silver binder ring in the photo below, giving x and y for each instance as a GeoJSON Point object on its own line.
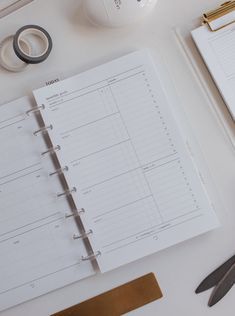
{"type": "Point", "coordinates": [43, 130]}
{"type": "Point", "coordinates": [35, 109]}
{"type": "Point", "coordinates": [84, 235]}
{"type": "Point", "coordinates": [67, 192]}
{"type": "Point", "coordinates": [51, 150]}
{"type": "Point", "coordinates": [70, 215]}
{"type": "Point", "coordinates": [75, 213]}
{"type": "Point", "coordinates": [59, 171]}
{"type": "Point", "coordinates": [91, 257]}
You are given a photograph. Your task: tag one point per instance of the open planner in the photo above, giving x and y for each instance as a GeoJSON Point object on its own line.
{"type": "Point", "coordinates": [96, 174]}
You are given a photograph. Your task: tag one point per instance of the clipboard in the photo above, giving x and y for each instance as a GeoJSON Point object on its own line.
{"type": "Point", "coordinates": [215, 20]}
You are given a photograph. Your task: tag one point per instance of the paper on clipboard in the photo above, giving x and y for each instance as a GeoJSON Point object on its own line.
{"type": "Point", "coordinates": [215, 41]}
{"type": "Point", "coordinates": [218, 51]}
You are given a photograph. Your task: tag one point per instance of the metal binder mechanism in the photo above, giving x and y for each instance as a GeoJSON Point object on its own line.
{"type": "Point", "coordinates": [35, 110]}
{"type": "Point", "coordinates": [91, 257]}
{"type": "Point", "coordinates": [43, 130]}
{"type": "Point", "coordinates": [75, 213]}
{"type": "Point", "coordinates": [51, 150]}
{"type": "Point", "coordinates": [59, 171]}
{"type": "Point", "coordinates": [220, 17]}
{"type": "Point", "coordinates": [83, 236]}
{"type": "Point", "coordinates": [67, 192]}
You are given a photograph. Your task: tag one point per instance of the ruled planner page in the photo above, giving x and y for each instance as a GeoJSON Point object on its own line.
{"type": "Point", "coordinates": [37, 251]}
{"type": "Point", "coordinates": [218, 51]}
{"type": "Point", "coordinates": [133, 175]}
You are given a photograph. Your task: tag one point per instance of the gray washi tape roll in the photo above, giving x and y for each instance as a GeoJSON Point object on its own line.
{"type": "Point", "coordinates": [36, 30]}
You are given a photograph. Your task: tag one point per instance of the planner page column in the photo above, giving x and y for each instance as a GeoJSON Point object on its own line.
{"type": "Point", "coordinates": [38, 253]}
{"type": "Point", "coordinates": [133, 175]}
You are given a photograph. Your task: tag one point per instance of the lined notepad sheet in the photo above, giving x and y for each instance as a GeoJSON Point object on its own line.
{"type": "Point", "coordinates": [218, 51]}
{"type": "Point", "coordinates": [38, 253]}
{"type": "Point", "coordinates": [134, 177]}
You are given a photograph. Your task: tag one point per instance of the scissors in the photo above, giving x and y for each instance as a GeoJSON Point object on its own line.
{"type": "Point", "coordinates": [222, 279]}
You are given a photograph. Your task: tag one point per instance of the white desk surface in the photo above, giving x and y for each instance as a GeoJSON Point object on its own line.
{"type": "Point", "coordinates": [79, 46]}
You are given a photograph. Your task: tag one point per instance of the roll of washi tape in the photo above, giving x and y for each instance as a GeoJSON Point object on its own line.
{"type": "Point", "coordinates": [42, 35]}
{"type": "Point", "coordinates": [8, 58]}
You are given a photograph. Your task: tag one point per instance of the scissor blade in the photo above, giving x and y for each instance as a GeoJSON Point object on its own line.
{"type": "Point", "coordinates": [223, 287]}
{"type": "Point", "coordinates": [214, 278]}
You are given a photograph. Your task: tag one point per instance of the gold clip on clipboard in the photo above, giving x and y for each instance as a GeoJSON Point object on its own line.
{"type": "Point", "coordinates": [220, 17]}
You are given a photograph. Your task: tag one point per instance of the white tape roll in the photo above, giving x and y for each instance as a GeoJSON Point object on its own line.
{"type": "Point", "coordinates": [8, 58]}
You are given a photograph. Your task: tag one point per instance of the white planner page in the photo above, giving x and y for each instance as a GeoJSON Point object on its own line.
{"type": "Point", "coordinates": [37, 251]}
{"type": "Point", "coordinates": [218, 51]}
{"type": "Point", "coordinates": [133, 175]}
